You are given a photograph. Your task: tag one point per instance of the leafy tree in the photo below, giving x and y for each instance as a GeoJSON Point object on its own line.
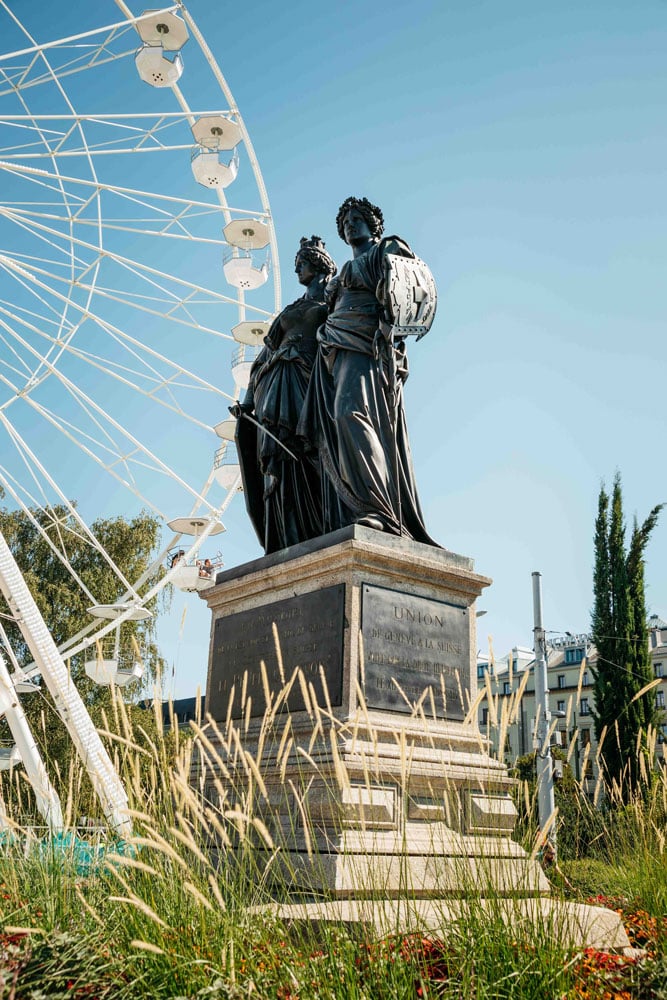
{"type": "Point", "coordinates": [62, 602]}
{"type": "Point", "coordinates": [620, 634]}
{"type": "Point", "coordinates": [131, 545]}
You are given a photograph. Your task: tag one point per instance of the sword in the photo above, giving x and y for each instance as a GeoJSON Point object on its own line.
{"type": "Point", "coordinates": [265, 431]}
{"type": "Point", "coordinates": [384, 344]}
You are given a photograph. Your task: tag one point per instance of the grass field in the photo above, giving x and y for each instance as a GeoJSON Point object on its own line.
{"type": "Point", "coordinates": [162, 915]}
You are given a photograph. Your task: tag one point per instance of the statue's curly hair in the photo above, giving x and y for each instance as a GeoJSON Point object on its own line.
{"type": "Point", "coordinates": [371, 213]}
{"type": "Point", "coordinates": [314, 251]}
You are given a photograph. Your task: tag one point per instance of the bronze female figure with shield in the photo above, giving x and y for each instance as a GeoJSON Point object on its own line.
{"type": "Point", "coordinates": [353, 416]}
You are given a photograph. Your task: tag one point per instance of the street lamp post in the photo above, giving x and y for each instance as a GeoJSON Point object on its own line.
{"type": "Point", "coordinates": [545, 780]}
{"type": "Point", "coordinates": [575, 735]}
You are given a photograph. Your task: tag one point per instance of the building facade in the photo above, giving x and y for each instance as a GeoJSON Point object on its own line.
{"type": "Point", "coordinates": [507, 699]}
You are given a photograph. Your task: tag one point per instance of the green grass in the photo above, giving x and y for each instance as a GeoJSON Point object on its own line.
{"type": "Point", "coordinates": [173, 917]}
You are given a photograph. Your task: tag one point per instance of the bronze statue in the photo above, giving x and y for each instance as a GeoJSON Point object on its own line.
{"type": "Point", "coordinates": [281, 484]}
{"type": "Point", "coordinates": [353, 416]}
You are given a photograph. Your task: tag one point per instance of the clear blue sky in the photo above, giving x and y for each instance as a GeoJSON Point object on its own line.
{"type": "Point", "coordinates": [520, 148]}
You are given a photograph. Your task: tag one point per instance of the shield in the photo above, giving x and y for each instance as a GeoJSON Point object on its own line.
{"type": "Point", "coordinates": [410, 295]}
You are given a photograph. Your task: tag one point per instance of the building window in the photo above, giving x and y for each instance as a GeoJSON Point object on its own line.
{"type": "Point", "coordinates": [574, 655]}
{"type": "Point", "coordinates": [481, 670]}
{"type": "Point", "coordinates": [584, 680]}
{"type": "Point", "coordinates": [658, 670]}
{"type": "Point", "coordinates": [585, 737]}
{"type": "Point", "coordinates": [485, 717]}
{"type": "Point", "coordinates": [561, 706]}
{"type": "Point", "coordinates": [507, 687]}
{"type": "Point", "coordinates": [561, 680]}
{"type": "Point", "coordinates": [584, 707]}
{"type": "Point", "coordinates": [660, 699]}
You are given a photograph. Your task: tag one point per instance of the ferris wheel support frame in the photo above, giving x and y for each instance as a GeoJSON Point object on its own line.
{"type": "Point", "coordinates": [46, 796]}
{"type": "Point", "coordinates": [69, 704]}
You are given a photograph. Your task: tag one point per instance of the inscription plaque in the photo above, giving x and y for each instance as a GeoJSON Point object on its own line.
{"type": "Point", "coordinates": [415, 643]}
{"type": "Point", "coordinates": [310, 629]}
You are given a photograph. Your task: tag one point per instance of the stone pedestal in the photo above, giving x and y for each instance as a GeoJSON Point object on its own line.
{"type": "Point", "coordinates": [371, 773]}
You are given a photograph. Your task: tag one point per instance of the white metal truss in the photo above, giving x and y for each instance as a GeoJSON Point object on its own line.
{"type": "Point", "coordinates": [114, 325]}
{"type": "Point", "coordinates": [46, 796]}
{"type": "Point", "coordinates": [71, 708]}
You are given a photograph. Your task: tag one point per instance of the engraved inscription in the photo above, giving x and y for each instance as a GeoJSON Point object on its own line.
{"type": "Point", "coordinates": [310, 629]}
{"type": "Point", "coordinates": [414, 643]}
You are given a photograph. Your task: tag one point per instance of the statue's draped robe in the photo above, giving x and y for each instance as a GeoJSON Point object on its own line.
{"type": "Point", "coordinates": [282, 495]}
{"type": "Point", "coordinates": [353, 415]}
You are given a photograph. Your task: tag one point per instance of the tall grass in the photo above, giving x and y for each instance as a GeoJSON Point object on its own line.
{"type": "Point", "coordinates": [182, 909]}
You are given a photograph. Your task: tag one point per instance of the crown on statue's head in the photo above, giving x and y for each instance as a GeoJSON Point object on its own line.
{"type": "Point", "coordinates": [314, 250]}
{"type": "Point", "coordinates": [315, 242]}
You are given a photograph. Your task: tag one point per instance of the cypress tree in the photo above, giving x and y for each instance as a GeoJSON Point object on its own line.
{"type": "Point", "coordinates": [642, 713]}
{"type": "Point", "coordinates": [620, 634]}
{"type": "Point", "coordinates": [602, 626]}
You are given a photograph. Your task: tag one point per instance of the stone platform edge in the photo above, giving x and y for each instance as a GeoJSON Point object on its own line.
{"type": "Point", "coordinates": [398, 546]}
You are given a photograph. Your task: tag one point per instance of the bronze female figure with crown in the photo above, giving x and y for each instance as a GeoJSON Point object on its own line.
{"type": "Point", "coordinates": [281, 484]}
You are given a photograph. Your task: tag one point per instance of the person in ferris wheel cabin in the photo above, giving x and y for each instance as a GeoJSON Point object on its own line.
{"type": "Point", "coordinates": [206, 568]}
{"type": "Point", "coordinates": [177, 558]}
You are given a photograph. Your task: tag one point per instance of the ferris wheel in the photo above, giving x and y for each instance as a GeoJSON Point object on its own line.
{"type": "Point", "coordinates": [135, 290]}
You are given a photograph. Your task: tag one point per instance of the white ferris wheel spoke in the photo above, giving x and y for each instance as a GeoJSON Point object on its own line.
{"type": "Point", "coordinates": [129, 20]}
{"type": "Point", "coordinates": [59, 553]}
{"type": "Point", "coordinates": [57, 178]}
{"type": "Point", "coordinates": [115, 455]}
{"type": "Point", "coordinates": [79, 437]}
{"type": "Point", "coordinates": [27, 451]}
{"type": "Point", "coordinates": [21, 216]}
{"type": "Point", "coordinates": [24, 498]}
{"type": "Point", "coordinates": [149, 373]}
{"type": "Point", "coordinates": [91, 56]}
{"type": "Point", "coordinates": [117, 334]}
{"type": "Point", "coordinates": [39, 173]}
{"type": "Point", "coordinates": [91, 408]}
{"type": "Point", "coordinates": [90, 322]}
{"type": "Point", "coordinates": [140, 269]}
{"type": "Point", "coordinates": [21, 80]}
